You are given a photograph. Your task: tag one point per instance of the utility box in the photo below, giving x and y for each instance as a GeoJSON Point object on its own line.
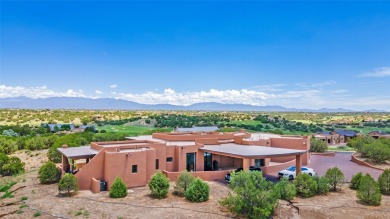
{"type": "Point", "coordinates": [103, 185]}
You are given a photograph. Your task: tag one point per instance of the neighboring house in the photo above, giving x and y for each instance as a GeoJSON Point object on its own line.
{"type": "Point", "coordinates": [209, 156]}
{"type": "Point", "coordinates": [329, 137]}
{"type": "Point", "coordinates": [53, 128]}
{"type": "Point", "coordinates": [345, 135]}
{"type": "Point", "coordinates": [379, 134]}
{"type": "Point", "coordinates": [198, 129]}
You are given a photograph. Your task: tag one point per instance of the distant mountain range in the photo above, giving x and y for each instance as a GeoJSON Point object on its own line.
{"type": "Point", "coordinates": [116, 104]}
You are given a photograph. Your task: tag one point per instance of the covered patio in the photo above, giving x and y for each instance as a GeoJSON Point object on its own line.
{"type": "Point", "coordinates": [248, 153]}
{"type": "Point", "coordinates": [72, 158]}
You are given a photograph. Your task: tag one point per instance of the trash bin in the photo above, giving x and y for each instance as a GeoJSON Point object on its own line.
{"type": "Point", "coordinates": [102, 185]}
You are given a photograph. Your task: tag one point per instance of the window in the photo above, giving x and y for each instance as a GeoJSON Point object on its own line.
{"type": "Point", "coordinates": [157, 164]}
{"type": "Point", "coordinates": [134, 169]}
{"type": "Point", "coordinates": [169, 159]}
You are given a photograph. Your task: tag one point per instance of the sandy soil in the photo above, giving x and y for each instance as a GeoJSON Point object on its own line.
{"type": "Point", "coordinates": [32, 159]}
{"type": "Point", "coordinates": [342, 204]}
{"type": "Point", "coordinates": [139, 204]}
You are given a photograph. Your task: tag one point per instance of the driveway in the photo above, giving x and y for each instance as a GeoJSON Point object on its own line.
{"type": "Point", "coordinates": [343, 161]}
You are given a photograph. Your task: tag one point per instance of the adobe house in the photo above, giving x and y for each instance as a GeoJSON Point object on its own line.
{"type": "Point", "coordinates": [379, 134]}
{"type": "Point", "coordinates": [209, 156]}
{"type": "Point", "coordinates": [345, 135]}
{"type": "Point", "coordinates": [329, 137]}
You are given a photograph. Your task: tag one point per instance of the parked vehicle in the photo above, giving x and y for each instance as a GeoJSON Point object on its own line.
{"type": "Point", "coordinates": [291, 173]}
{"type": "Point", "coordinates": [251, 168]}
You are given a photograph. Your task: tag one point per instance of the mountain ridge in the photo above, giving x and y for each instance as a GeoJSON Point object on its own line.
{"type": "Point", "coordinates": [119, 104]}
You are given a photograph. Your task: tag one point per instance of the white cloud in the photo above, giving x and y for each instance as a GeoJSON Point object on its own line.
{"type": "Point", "coordinates": [304, 98]}
{"type": "Point", "coordinates": [113, 86]}
{"type": "Point", "coordinates": [170, 96]}
{"type": "Point", "coordinates": [37, 92]}
{"type": "Point", "coordinates": [377, 73]}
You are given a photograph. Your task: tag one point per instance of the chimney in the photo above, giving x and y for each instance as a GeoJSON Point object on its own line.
{"type": "Point", "coordinates": [64, 146]}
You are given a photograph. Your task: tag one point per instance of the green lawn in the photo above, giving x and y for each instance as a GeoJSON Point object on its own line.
{"type": "Point", "coordinates": [341, 148]}
{"type": "Point", "coordinates": [132, 130]}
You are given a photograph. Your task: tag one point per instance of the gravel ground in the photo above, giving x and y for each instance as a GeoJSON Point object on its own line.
{"type": "Point", "coordinates": [139, 204]}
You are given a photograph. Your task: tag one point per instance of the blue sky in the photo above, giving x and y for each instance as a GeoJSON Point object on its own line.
{"type": "Point", "coordinates": [293, 54]}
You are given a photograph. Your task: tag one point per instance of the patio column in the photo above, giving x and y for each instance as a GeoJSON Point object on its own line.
{"type": "Point", "coordinates": [72, 165]}
{"type": "Point", "coordinates": [246, 163]}
{"type": "Point", "coordinates": [298, 164]}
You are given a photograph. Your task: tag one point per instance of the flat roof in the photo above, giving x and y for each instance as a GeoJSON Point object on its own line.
{"type": "Point", "coordinates": [125, 144]}
{"type": "Point", "coordinates": [146, 137]}
{"type": "Point", "coordinates": [168, 143]}
{"type": "Point", "coordinates": [250, 151]}
{"type": "Point", "coordinates": [198, 129]}
{"type": "Point", "coordinates": [78, 152]}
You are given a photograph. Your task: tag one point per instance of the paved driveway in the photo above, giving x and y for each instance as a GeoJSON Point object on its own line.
{"type": "Point", "coordinates": [343, 161]}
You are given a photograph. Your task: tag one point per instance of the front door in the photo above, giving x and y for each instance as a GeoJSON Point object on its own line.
{"type": "Point", "coordinates": [191, 162]}
{"type": "Point", "coordinates": [208, 158]}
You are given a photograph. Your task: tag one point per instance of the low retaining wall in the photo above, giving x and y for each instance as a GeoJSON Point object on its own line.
{"type": "Point", "coordinates": [95, 187]}
{"type": "Point", "coordinates": [328, 153]}
{"type": "Point", "coordinates": [205, 175]}
{"type": "Point", "coordinates": [363, 163]}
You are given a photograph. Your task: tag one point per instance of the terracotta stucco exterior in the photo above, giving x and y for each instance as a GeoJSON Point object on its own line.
{"type": "Point", "coordinates": [136, 160]}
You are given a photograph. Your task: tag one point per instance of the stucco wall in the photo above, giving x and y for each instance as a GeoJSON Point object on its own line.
{"type": "Point", "coordinates": [94, 169]}
{"type": "Point", "coordinates": [191, 136]}
{"type": "Point", "coordinates": [225, 162]}
{"type": "Point", "coordinates": [120, 164]}
{"type": "Point", "coordinates": [170, 152]}
{"type": "Point", "coordinates": [293, 143]}
{"type": "Point", "coordinates": [205, 175]}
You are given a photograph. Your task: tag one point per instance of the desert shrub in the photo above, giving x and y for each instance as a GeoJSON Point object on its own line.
{"type": "Point", "coordinates": [8, 145]}
{"type": "Point", "coordinates": [49, 173]}
{"type": "Point", "coordinates": [68, 184]}
{"type": "Point", "coordinates": [322, 185]}
{"type": "Point", "coordinates": [159, 185]}
{"type": "Point", "coordinates": [368, 191]}
{"type": "Point", "coordinates": [198, 191]}
{"type": "Point", "coordinates": [376, 152]}
{"type": "Point", "coordinates": [118, 188]}
{"type": "Point", "coordinates": [335, 177]}
{"type": "Point", "coordinates": [183, 181]}
{"type": "Point", "coordinates": [14, 166]}
{"type": "Point", "coordinates": [54, 155]}
{"type": "Point", "coordinates": [36, 143]}
{"type": "Point", "coordinates": [355, 181]}
{"type": "Point", "coordinates": [306, 186]}
{"type": "Point", "coordinates": [11, 133]}
{"type": "Point", "coordinates": [252, 195]}
{"type": "Point", "coordinates": [286, 190]}
{"type": "Point", "coordinates": [318, 146]}
{"type": "Point", "coordinates": [359, 142]}
{"type": "Point", "coordinates": [4, 159]}
{"type": "Point", "coordinates": [384, 182]}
